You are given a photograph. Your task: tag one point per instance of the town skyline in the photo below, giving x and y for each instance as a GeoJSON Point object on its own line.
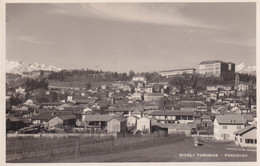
{"type": "Point", "coordinates": [149, 37]}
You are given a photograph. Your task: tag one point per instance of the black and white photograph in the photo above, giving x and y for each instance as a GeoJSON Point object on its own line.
{"type": "Point", "coordinates": [129, 82]}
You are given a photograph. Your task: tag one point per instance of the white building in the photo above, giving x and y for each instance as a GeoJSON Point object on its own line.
{"type": "Point", "coordinates": [226, 125]}
{"type": "Point", "coordinates": [246, 137]}
{"type": "Point", "coordinates": [144, 124]}
{"type": "Point", "coordinates": [171, 73]}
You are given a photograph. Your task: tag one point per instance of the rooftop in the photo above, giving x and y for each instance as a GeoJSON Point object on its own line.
{"type": "Point", "coordinates": [213, 61]}
{"type": "Point", "coordinates": [244, 130]}
{"type": "Point", "coordinates": [177, 70]}
{"type": "Point", "coordinates": [230, 119]}
{"type": "Point", "coordinates": [171, 113]}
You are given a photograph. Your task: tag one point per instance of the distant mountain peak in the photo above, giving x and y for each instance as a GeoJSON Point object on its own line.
{"type": "Point", "coordinates": [17, 67]}
{"type": "Point", "coordinates": [242, 68]}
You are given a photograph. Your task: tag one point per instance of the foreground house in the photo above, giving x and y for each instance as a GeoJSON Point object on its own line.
{"type": "Point", "coordinates": [66, 120]}
{"type": "Point", "coordinates": [226, 125]}
{"type": "Point", "coordinates": [144, 124]}
{"type": "Point", "coordinates": [246, 137]}
{"type": "Point", "coordinates": [105, 123]}
{"type": "Point", "coordinates": [131, 121]}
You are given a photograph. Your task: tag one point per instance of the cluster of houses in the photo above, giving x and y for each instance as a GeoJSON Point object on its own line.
{"type": "Point", "coordinates": [133, 108]}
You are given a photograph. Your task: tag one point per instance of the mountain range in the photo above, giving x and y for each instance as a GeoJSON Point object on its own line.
{"type": "Point", "coordinates": [242, 68]}
{"type": "Point", "coordinates": [17, 67]}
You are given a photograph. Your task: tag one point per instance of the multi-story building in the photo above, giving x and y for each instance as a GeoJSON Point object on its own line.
{"type": "Point", "coordinates": [171, 73]}
{"type": "Point", "coordinates": [216, 68]}
{"type": "Point", "coordinates": [226, 125]}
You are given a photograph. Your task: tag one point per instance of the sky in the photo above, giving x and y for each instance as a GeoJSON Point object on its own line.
{"type": "Point", "coordinates": [142, 37]}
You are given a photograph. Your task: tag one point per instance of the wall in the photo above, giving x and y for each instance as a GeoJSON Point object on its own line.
{"type": "Point", "coordinates": [144, 124]}
{"type": "Point", "coordinates": [113, 126]}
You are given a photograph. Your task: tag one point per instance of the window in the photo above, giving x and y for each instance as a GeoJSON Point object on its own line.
{"type": "Point", "coordinates": [190, 117]}
{"type": "Point", "coordinates": [238, 127]}
{"type": "Point", "coordinates": [224, 127]}
{"type": "Point", "coordinates": [235, 138]}
{"type": "Point", "coordinates": [240, 139]}
{"type": "Point", "coordinates": [249, 141]}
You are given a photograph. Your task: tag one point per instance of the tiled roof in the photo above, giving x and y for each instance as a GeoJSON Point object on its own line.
{"type": "Point", "coordinates": [249, 117]}
{"type": "Point", "coordinates": [119, 118]}
{"type": "Point", "coordinates": [172, 113]}
{"type": "Point", "coordinates": [230, 119]}
{"type": "Point", "coordinates": [244, 130]}
{"type": "Point", "coordinates": [102, 118]}
{"type": "Point", "coordinates": [12, 118]}
{"type": "Point", "coordinates": [153, 94]}
{"type": "Point", "coordinates": [50, 114]}
{"type": "Point", "coordinates": [67, 117]}
{"type": "Point", "coordinates": [204, 116]}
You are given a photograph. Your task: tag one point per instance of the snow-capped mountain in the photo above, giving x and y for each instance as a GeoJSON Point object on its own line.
{"type": "Point", "coordinates": [17, 67]}
{"type": "Point", "coordinates": [242, 68]}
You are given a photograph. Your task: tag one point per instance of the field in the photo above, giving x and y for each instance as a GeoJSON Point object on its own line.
{"type": "Point", "coordinates": [178, 151]}
{"type": "Point", "coordinates": [21, 147]}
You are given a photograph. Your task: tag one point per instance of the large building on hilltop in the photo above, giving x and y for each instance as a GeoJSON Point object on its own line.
{"type": "Point", "coordinates": [216, 68]}
{"type": "Point", "coordinates": [171, 73]}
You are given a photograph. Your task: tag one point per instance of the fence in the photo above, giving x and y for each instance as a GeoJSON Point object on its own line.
{"type": "Point", "coordinates": [85, 147]}
{"type": "Point", "coordinates": [52, 135]}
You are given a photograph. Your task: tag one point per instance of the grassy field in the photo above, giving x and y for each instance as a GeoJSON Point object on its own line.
{"type": "Point", "coordinates": [183, 151]}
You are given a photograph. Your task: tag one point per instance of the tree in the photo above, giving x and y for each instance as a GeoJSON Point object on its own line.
{"type": "Point", "coordinates": [88, 85]}
{"type": "Point", "coordinates": [53, 96]}
{"type": "Point", "coordinates": [14, 100]}
{"type": "Point", "coordinates": [182, 90]}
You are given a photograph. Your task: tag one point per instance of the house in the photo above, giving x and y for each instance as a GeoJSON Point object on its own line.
{"type": "Point", "coordinates": [140, 79]}
{"type": "Point", "coordinates": [225, 125]}
{"type": "Point", "coordinates": [148, 89]}
{"type": "Point", "coordinates": [212, 88]}
{"type": "Point", "coordinates": [131, 121]}
{"type": "Point", "coordinates": [96, 123]}
{"type": "Point", "coordinates": [137, 96]}
{"type": "Point", "coordinates": [50, 105]}
{"type": "Point", "coordinates": [173, 116]}
{"type": "Point", "coordinates": [13, 123]}
{"type": "Point", "coordinates": [249, 118]}
{"type": "Point", "coordinates": [36, 74]}
{"type": "Point", "coordinates": [26, 75]}
{"type": "Point", "coordinates": [20, 90]}
{"type": "Point", "coordinates": [244, 110]}
{"type": "Point", "coordinates": [202, 109]}
{"type": "Point", "coordinates": [44, 117]}
{"type": "Point", "coordinates": [119, 110]}
{"type": "Point", "coordinates": [105, 123]}
{"type": "Point", "coordinates": [246, 137]}
{"type": "Point", "coordinates": [117, 125]}
{"type": "Point", "coordinates": [137, 113]}
{"type": "Point", "coordinates": [242, 87]}
{"type": "Point", "coordinates": [65, 120]}
{"type": "Point", "coordinates": [206, 120]}
{"type": "Point", "coordinates": [144, 125]}
{"type": "Point", "coordinates": [153, 96]}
